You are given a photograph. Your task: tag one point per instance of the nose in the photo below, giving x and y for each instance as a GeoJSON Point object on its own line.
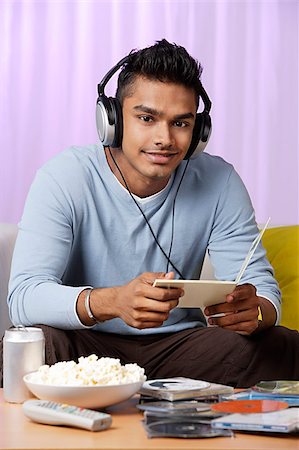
{"type": "Point", "coordinates": [163, 137]}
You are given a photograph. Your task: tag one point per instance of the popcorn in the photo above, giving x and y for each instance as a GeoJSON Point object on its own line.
{"type": "Point", "coordinates": [90, 371]}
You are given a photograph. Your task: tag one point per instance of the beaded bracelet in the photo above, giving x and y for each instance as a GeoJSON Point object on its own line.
{"type": "Point", "coordinates": [87, 305]}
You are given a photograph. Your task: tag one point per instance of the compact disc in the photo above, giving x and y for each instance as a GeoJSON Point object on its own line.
{"type": "Point", "coordinates": [182, 430]}
{"type": "Point", "coordinates": [249, 406]}
{"type": "Point", "coordinates": [283, 387]}
{"type": "Point", "coordinates": [175, 384]}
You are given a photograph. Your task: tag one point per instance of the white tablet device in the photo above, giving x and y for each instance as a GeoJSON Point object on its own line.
{"type": "Point", "coordinates": [199, 293]}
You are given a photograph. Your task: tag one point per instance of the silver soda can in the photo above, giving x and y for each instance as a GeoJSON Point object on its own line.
{"type": "Point", "coordinates": [23, 352]}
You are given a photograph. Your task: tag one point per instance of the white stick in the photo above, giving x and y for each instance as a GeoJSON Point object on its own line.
{"type": "Point", "coordinates": [251, 251]}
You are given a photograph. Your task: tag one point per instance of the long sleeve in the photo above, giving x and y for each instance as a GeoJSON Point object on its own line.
{"type": "Point", "coordinates": [41, 255]}
{"type": "Point", "coordinates": [233, 232]}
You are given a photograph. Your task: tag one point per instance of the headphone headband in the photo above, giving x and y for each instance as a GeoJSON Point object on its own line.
{"type": "Point", "coordinates": [102, 84]}
{"type": "Point", "coordinates": [205, 98]}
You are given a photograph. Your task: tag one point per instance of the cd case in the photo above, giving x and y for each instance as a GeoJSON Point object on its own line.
{"type": "Point", "coordinates": [284, 421]}
{"type": "Point", "coordinates": [170, 408]}
{"type": "Point", "coordinates": [280, 387]}
{"type": "Point", "coordinates": [281, 390]}
{"type": "Point", "coordinates": [202, 293]}
{"type": "Point", "coordinates": [199, 293]}
{"type": "Point", "coordinates": [181, 388]}
{"type": "Point", "coordinates": [186, 429]}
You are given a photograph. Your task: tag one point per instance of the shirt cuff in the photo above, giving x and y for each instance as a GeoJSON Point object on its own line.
{"type": "Point", "coordinates": [275, 306]}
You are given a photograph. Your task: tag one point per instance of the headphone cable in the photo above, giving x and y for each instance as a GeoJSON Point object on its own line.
{"type": "Point", "coordinates": [145, 218]}
{"type": "Point", "coordinates": [172, 224]}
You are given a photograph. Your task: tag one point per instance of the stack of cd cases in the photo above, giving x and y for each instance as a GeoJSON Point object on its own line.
{"type": "Point", "coordinates": [180, 419]}
{"type": "Point", "coordinates": [186, 408]}
{"type": "Point", "coordinates": [180, 408]}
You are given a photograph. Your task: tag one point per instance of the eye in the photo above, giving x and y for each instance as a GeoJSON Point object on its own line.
{"type": "Point", "coordinates": [180, 124]}
{"type": "Point", "coordinates": [145, 118]}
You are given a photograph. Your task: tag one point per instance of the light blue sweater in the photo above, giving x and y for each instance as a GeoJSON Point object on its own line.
{"type": "Point", "coordinates": [81, 228]}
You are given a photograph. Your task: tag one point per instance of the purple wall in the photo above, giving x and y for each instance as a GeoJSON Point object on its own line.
{"type": "Point", "coordinates": [53, 54]}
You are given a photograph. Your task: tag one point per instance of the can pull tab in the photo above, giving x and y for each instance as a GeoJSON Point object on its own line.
{"type": "Point", "coordinates": [21, 328]}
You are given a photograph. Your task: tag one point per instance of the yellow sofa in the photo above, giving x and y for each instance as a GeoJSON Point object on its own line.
{"type": "Point", "coordinates": [282, 246]}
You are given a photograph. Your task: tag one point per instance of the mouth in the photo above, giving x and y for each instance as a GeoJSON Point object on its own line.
{"type": "Point", "coordinates": [159, 157]}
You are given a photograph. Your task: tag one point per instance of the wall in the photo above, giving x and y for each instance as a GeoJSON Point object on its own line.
{"type": "Point", "coordinates": [53, 54]}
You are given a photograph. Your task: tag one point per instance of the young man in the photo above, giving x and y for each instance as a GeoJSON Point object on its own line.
{"type": "Point", "coordinates": [101, 223]}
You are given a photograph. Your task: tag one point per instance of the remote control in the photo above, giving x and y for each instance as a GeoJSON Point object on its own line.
{"type": "Point", "coordinates": [52, 413]}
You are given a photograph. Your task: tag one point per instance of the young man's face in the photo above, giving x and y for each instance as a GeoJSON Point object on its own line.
{"type": "Point", "coordinates": [158, 121]}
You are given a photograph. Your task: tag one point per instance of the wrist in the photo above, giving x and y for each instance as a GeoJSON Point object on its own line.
{"type": "Point", "coordinates": [100, 302]}
{"type": "Point", "coordinates": [83, 315]}
{"type": "Point", "coordinates": [267, 314]}
{"type": "Point", "coordinates": [87, 305]}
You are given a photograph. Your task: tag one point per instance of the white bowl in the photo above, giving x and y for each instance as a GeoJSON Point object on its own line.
{"type": "Point", "coordinates": [98, 396]}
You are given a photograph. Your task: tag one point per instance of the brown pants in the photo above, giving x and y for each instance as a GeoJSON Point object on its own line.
{"type": "Point", "coordinates": [210, 354]}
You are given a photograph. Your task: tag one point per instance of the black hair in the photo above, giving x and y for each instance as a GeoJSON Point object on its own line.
{"type": "Point", "coordinates": [164, 62]}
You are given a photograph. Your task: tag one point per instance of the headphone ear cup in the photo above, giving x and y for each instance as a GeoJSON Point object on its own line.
{"type": "Point", "coordinates": [201, 134]}
{"type": "Point", "coordinates": [118, 123]}
{"type": "Point", "coordinates": [109, 121]}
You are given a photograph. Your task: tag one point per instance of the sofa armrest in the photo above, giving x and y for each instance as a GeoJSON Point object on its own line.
{"type": "Point", "coordinates": [8, 234]}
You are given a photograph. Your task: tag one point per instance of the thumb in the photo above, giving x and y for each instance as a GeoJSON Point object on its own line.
{"type": "Point", "coordinates": [169, 275]}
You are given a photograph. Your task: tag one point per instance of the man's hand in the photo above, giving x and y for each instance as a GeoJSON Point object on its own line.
{"type": "Point", "coordinates": [137, 303]}
{"type": "Point", "coordinates": [241, 311]}
{"type": "Point", "coordinates": [141, 305]}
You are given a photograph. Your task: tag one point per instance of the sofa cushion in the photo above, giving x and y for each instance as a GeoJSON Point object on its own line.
{"type": "Point", "coordinates": [282, 246]}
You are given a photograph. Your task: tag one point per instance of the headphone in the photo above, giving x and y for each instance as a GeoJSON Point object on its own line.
{"type": "Point", "coordinates": [110, 123]}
